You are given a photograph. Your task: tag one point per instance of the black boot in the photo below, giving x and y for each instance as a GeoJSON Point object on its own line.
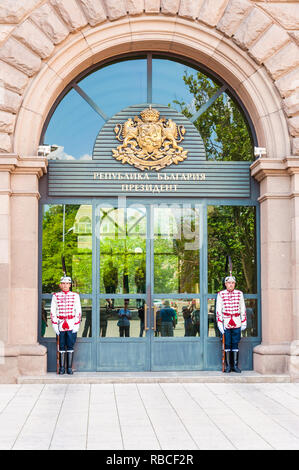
{"type": "Point", "coordinates": [235, 367]}
{"type": "Point", "coordinates": [227, 367]}
{"type": "Point", "coordinates": [69, 358]}
{"type": "Point", "coordinates": [61, 362]}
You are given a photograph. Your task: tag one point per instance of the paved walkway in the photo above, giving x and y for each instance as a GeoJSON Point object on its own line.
{"type": "Point", "coordinates": [162, 416]}
{"type": "Point", "coordinates": [154, 377]}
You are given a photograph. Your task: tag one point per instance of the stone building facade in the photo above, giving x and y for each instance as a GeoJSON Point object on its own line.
{"type": "Point", "coordinates": [252, 45]}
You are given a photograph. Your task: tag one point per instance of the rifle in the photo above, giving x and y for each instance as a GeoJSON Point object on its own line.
{"type": "Point", "coordinates": [223, 352]}
{"type": "Point", "coordinates": [57, 354]}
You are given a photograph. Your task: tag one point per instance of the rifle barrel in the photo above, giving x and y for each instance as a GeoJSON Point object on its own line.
{"type": "Point", "coordinates": [223, 351]}
{"type": "Point", "coordinates": [57, 354]}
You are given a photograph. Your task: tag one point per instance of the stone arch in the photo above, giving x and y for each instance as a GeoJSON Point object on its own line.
{"type": "Point", "coordinates": [37, 34]}
{"type": "Point", "coordinates": [199, 43]}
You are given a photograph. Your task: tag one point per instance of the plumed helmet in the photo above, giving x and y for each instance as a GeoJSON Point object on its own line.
{"type": "Point", "coordinates": [230, 279]}
{"type": "Point", "coordinates": [66, 279]}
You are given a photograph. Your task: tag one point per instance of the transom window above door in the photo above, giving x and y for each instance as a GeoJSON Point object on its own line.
{"type": "Point", "coordinates": [99, 93]}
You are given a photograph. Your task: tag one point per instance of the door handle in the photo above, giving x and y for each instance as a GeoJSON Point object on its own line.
{"type": "Point", "coordinates": [155, 318]}
{"type": "Point", "coordinates": [145, 318]}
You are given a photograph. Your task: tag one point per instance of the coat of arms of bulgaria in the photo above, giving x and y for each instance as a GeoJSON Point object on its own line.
{"type": "Point", "coordinates": [149, 143]}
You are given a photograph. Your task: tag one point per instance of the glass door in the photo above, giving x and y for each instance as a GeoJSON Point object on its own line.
{"type": "Point", "coordinates": [149, 287]}
{"type": "Point", "coordinates": [123, 262]}
{"type": "Point", "coordinates": [175, 287]}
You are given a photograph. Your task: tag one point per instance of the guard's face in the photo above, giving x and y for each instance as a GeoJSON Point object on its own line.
{"type": "Point", "coordinates": [230, 285]}
{"type": "Point", "coordinates": [65, 286]}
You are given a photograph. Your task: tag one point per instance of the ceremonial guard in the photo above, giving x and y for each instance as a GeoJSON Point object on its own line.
{"type": "Point", "coordinates": [231, 320]}
{"type": "Point", "coordinates": [66, 318]}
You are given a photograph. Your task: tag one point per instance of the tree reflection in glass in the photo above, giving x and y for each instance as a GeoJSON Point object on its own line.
{"type": "Point", "coordinates": [122, 250]}
{"type": "Point", "coordinates": [232, 232]}
{"type": "Point", "coordinates": [176, 249]}
{"type": "Point", "coordinates": [67, 232]}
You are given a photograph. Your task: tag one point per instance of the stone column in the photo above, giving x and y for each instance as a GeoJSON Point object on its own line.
{"type": "Point", "coordinates": [6, 167]}
{"type": "Point", "coordinates": [18, 268]}
{"type": "Point", "coordinates": [279, 249]}
{"type": "Point", "coordinates": [293, 170]}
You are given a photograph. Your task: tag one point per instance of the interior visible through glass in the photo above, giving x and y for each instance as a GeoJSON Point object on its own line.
{"type": "Point", "coordinates": [176, 318]}
{"type": "Point", "coordinates": [123, 318]}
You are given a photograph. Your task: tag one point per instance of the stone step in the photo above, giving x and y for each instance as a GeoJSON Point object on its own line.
{"type": "Point", "coordinates": [154, 377]}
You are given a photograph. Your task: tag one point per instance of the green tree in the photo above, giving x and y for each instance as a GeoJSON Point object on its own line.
{"type": "Point", "coordinates": [222, 126]}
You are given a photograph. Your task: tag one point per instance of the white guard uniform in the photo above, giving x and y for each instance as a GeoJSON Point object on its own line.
{"type": "Point", "coordinates": [230, 309]}
{"type": "Point", "coordinates": [66, 311]}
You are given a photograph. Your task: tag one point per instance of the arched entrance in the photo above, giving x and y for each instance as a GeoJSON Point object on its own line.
{"type": "Point", "coordinates": [164, 33]}
{"type": "Point", "coordinates": [155, 243]}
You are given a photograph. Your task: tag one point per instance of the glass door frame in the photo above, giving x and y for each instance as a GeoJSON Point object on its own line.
{"type": "Point", "coordinates": [104, 344]}
{"type": "Point", "coordinates": [149, 296]}
{"type": "Point", "coordinates": [163, 344]}
{"type": "Point", "coordinates": [247, 343]}
{"type": "Point", "coordinates": [205, 342]}
{"type": "Point", "coordinates": [90, 344]}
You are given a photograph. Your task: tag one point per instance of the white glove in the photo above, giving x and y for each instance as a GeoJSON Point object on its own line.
{"type": "Point", "coordinates": [220, 328]}
{"type": "Point", "coordinates": [75, 329]}
{"type": "Point", "coordinates": [243, 327]}
{"type": "Point", "coordinates": [55, 328]}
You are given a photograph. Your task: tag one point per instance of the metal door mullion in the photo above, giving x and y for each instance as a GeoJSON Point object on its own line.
{"type": "Point", "coordinates": [204, 280]}
{"type": "Point", "coordinates": [98, 205]}
{"type": "Point", "coordinates": [149, 282]}
{"type": "Point", "coordinates": [95, 309]}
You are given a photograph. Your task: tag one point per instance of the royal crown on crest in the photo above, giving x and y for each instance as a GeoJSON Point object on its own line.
{"type": "Point", "coordinates": [150, 115]}
{"type": "Point", "coordinates": [151, 143]}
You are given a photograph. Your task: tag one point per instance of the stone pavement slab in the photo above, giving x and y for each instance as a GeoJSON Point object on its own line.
{"type": "Point", "coordinates": [155, 377]}
{"type": "Point", "coordinates": [153, 416]}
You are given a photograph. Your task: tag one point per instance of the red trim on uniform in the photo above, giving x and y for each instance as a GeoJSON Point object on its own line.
{"type": "Point", "coordinates": [65, 325]}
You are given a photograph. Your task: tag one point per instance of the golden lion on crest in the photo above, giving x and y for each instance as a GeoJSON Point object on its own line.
{"type": "Point", "coordinates": [149, 143]}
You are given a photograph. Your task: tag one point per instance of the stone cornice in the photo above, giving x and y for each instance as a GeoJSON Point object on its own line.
{"type": "Point", "coordinates": [14, 350]}
{"type": "Point", "coordinates": [266, 196]}
{"type": "Point", "coordinates": [264, 167]}
{"type": "Point", "coordinates": [273, 349]}
{"type": "Point", "coordinates": [29, 165]}
{"type": "Point", "coordinates": [25, 194]}
{"type": "Point", "coordinates": [288, 348]}
{"type": "Point", "coordinates": [292, 165]}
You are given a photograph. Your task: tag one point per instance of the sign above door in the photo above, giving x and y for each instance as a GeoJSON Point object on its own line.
{"type": "Point", "coordinates": [159, 153]}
